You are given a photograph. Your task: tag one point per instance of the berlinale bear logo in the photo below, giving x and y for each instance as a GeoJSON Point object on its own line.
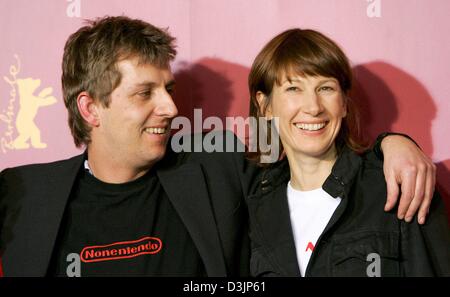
{"type": "Point", "coordinates": [21, 129]}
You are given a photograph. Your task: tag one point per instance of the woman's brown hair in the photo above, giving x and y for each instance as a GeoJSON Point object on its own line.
{"type": "Point", "coordinates": [302, 52]}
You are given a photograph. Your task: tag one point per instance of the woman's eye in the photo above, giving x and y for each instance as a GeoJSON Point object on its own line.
{"type": "Point", "coordinates": [292, 89]}
{"type": "Point", "coordinates": [326, 88]}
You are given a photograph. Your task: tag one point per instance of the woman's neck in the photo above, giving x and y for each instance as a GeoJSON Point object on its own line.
{"type": "Point", "coordinates": [308, 172]}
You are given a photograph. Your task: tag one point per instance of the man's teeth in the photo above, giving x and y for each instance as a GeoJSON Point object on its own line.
{"type": "Point", "coordinates": [156, 130]}
{"type": "Point", "coordinates": [310, 127]}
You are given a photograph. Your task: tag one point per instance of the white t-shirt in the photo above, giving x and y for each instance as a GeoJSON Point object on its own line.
{"type": "Point", "coordinates": [310, 212]}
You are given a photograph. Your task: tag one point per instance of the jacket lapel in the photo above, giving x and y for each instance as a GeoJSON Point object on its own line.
{"type": "Point", "coordinates": [273, 226]}
{"type": "Point", "coordinates": [29, 251]}
{"type": "Point", "coordinates": [185, 186]}
{"type": "Point", "coordinates": [339, 182]}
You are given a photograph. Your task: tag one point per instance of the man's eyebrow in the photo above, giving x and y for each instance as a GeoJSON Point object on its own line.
{"type": "Point", "coordinates": [170, 83]}
{"type": "Point", "coordinates": [145, 84]}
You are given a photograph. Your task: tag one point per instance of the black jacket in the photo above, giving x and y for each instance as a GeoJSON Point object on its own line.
{"type": "Point", "coordinates": [358, 227]}
{"type": "Point", "coordinates": [207, 190]}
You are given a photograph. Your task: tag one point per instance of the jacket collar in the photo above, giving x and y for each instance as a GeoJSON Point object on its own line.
{"type": "Point", "coordinates": [337, 183]}
{"type": "Point", "coordinates": [343, 173]}
{"type": "Point", "coordinates": [270, 219]}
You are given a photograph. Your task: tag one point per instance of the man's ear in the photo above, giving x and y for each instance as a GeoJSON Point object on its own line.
{"type": "Point", "coordinates": [88, 109]}
{"type": "Point", "coordinates": [262, 99]}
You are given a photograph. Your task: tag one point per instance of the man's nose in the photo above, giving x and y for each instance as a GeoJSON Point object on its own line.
{"type": "Point", "coordinates": [166, 106]}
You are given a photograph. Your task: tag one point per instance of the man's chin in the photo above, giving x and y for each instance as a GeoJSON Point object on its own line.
{"type": "Point", "coordinates": [156, 156]}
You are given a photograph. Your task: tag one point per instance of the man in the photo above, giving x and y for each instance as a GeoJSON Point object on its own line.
{"type": "Point", "coordinates": [129, 205]}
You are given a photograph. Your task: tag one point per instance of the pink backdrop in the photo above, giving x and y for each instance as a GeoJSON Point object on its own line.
{"type": "Point", "coordinates": [399, 51]}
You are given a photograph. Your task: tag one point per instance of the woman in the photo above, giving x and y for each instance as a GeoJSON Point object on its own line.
{"type": "Point", "coordinates": [318, 211]}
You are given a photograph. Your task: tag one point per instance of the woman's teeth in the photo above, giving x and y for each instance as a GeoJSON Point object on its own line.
{"type": "Point", "coordinates": [310, 127]}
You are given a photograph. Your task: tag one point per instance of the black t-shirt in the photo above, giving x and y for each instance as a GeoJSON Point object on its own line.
{"type": "Point", "coordinates": [125, 229]}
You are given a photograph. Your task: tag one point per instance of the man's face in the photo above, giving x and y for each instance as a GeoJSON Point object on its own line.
{"type": "Point", "coordinates": [135, 127]}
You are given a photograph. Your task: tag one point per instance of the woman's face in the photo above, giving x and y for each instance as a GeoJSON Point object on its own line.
{"type": "Point", "coordinates": [310, 111]}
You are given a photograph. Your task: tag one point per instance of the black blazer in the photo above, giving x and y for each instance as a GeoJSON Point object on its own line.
{"type": "Point", "coordinates": [207, 190]}
{"type": "Point", "coordinates": [358, 227]}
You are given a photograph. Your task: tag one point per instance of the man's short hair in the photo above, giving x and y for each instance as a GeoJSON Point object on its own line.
{"type": "Point", "coordinates": [90, 61]}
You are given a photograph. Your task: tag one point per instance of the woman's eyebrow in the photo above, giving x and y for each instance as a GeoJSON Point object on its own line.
{"type": "Point", "coordinates": [327, 80]}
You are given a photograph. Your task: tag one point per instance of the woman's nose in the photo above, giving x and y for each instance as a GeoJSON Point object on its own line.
{"type": "Point", "coordinates": [312, 104]}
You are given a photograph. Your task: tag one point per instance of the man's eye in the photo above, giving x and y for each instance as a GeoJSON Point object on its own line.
{"type": "Point", "coordinates": [170, 90]}
{"type": "Point", "coordinates": [145, 94]}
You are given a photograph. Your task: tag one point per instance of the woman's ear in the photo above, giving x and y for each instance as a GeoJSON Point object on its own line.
{"type": "Point", "coordinates": [262, 102]}
{"type": "Point", "coordinates": [88, 109]}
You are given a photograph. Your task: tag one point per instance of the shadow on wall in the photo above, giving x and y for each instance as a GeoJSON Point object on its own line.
{"type": "Point", "coordinates": [218, 87]}
{"type": "Point", "coordinates": [389, 99]}
{"type": "Point", "coordinates": [393, 100]}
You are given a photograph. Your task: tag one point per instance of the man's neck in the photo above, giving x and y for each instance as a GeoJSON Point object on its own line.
{"type": "Point", "coordinates": [113, 169]}
{"type": "Point", "coordinates": [309, 173]}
